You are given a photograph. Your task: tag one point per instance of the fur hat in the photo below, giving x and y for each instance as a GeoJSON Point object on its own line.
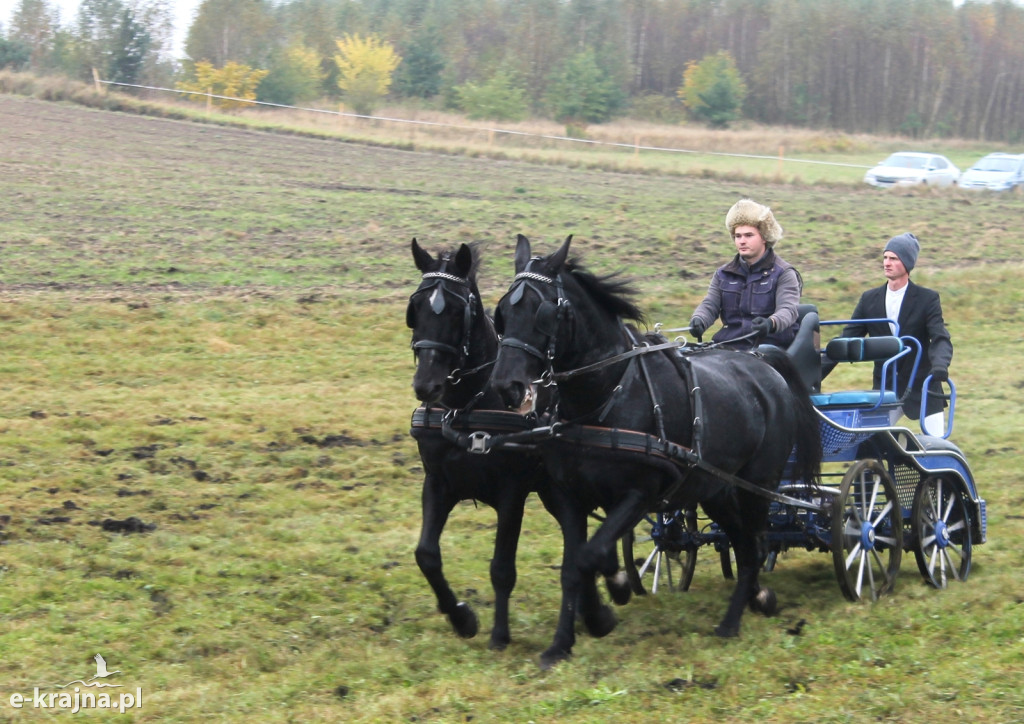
{"type": "Point", "coordinates": [747, 212]}
{"type": "Point", "coordinates": [906, 247]}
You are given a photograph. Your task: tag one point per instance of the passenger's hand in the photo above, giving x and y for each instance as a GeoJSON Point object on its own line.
{"type": "Point", "coordinates": [697, 327]}
{"type": "Point", "coordinates": [762, 326]}
{"type": "Point", "coordinates": [940, 374]}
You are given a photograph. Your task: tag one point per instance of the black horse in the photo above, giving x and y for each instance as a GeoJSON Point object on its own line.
{"type": "Point", "coordinates": [455, 344]}
{"type": "Point", "coordinates": [562, 323]}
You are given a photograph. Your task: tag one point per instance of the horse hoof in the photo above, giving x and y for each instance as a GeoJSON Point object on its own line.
{"type": "Point", "coordinates": [765, 602]}
{"type": "Point", "coordinates": [498, 643]}
{"type": "Point", "coordinates": [601, 623]}
{"type": "Point", "coordinates": [727, 632]}
{"type": "Point", "coordinates": [552, 657]}
{"type": "Point", "coordinates": [619, 588]}
{"type": "Point", "coordinates": [464, 621]}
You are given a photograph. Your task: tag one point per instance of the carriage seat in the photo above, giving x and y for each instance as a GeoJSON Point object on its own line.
{"type": "Point", "coordinates": [860, 349]}
{"type": "Point", "coordinates": [803, 350]}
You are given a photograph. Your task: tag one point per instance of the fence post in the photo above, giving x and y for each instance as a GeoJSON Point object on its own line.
{"type": "Point", "coordinates": [96, 80]}
{"type": "Point", "coordinates": [209, 99]}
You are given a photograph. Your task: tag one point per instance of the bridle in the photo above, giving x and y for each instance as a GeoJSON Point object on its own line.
{"type": "Point", "coordinates": [437, 283]}
{"type": "Point", "coordinates": [547, 321]}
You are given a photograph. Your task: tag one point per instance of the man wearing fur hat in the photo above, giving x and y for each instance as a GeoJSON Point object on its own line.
{"type": "Point", "coordinates": [918, 312]}
{"type": "Point", "coordinates": [757, 292]}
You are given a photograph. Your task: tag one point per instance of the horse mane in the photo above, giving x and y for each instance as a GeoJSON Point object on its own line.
{"type": "Point", "coordinates": [612, 292]}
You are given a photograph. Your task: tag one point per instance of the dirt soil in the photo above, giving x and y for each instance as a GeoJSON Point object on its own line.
{"type": "Point", "coordinates": [97, 200]}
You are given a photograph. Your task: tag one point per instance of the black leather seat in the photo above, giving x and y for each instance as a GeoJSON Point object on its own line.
{"type": "Point", "coordinates": [804, 348]}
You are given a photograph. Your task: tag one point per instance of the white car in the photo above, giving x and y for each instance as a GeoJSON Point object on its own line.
{"type": "Point", "coordinates": [995, 172]}
{"type": "Point", "coordinates": [910, 168]}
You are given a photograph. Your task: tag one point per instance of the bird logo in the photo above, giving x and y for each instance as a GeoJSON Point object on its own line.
{"type": "Point", "coordinates": [101, 669]}
{"type": "Point", "coordinates": [101, 673]}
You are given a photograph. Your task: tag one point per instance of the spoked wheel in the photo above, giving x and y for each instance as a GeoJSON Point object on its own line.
{"type": "Point", "coordinates": [942, 531]}
{"type": "Point", "coordinates": [660, 552]}
{"type": "Point", "coordinates": [867, 532]}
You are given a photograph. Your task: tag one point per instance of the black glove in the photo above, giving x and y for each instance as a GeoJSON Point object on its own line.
{"type": "Point", "coordinates": [697, 327]}
{"type": "Point", "coordinates": [940, 374]}
{"type": "Point", "coordinates": [762, 326]}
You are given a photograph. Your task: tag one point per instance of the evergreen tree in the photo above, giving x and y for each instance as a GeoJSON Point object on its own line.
{"type": "Point", "coordinates": [128, 53]}
{"type": "Point", "coordinates": [581, 91]}
{"type": "Point", "coordinates": [14, 54]}
{"type": "Point", "coordinates": [419, 74]}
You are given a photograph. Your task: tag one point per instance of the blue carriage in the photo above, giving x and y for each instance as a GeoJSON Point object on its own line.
{"type": "Point", "coordinates": [885, 489]}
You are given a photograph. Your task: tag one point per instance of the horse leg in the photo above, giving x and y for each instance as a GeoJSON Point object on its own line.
{"type": "Point", "coordinates": [503, 567]}
{"type": "Point", "coordinates": [436, 508]}
{"type": "Point", "coordinates": [749, 561]}
{"type": "Point", "coordinates": [617, 583]}
{"type": "Point", "coordinates": [574, 533]}
{"type": "Point", "coordinates": [599, 555]}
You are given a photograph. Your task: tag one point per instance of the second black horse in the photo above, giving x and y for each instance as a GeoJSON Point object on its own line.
{"type": "Point", "coordinates": [562, 323]}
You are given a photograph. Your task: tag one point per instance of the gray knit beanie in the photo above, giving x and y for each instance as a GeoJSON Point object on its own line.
{"type": "Point", "coordinates": [905, 246]}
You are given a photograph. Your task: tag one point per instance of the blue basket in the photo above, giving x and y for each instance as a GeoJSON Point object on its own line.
{"type": "Point", "coordinates": [840, 444]}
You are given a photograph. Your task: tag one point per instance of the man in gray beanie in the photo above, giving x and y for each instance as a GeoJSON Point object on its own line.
{"type": "Point", "coordinates": [906, 247]}
{"type": "Point", "coordinates": [918, 312]}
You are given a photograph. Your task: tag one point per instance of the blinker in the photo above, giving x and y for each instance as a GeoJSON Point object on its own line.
{"type": "Point", "coordinates": [437, 299]}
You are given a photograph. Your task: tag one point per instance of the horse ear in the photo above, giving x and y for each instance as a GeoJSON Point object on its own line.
{"type": "Point", "coordinates": [522, 252]}
{"type": "Point", "coordinates": [423, 260]}
{"type": "Point", "coordinates": [464, 261]}
{"type": "Point", "coordinates": [556, 260]}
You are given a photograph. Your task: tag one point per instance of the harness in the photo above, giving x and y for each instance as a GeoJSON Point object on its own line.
{"type": "Point", "coordinates": [548, 320]}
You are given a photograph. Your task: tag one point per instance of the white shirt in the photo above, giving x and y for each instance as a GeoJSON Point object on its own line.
{"type": "Point", "coordinates": [893, 302]}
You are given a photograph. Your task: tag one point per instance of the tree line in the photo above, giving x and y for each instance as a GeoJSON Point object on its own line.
{"type": "Point", "coordinates": [920, 68]}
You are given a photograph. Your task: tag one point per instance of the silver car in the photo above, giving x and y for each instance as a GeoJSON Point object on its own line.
{"type": "Point", "coordinates": [911, 168]}
{"type": "Point", "coordinates": [995, 172]}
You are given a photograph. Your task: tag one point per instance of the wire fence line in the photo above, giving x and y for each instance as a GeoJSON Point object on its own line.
{"type": "Point", "coordinates": [478, 129]}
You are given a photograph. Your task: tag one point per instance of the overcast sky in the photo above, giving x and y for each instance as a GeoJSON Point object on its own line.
{"type": "Point", "coordinates": [183, 11]}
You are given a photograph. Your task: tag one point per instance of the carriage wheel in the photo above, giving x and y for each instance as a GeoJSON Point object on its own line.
{"type": "Point", "coordinates": [660, 551]}
{"type": "Point", "coordinates": [867, 532]}
{"type": "Point", "coordinates": [942, 531]}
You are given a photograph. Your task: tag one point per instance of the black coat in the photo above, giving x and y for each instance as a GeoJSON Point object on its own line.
{"type": "Point", "coordinates": [921, 318]}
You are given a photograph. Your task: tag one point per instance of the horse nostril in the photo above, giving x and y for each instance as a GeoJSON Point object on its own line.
{"type": "Point", "coordinates": [512, 395]}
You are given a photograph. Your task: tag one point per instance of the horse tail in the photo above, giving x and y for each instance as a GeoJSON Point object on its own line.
{"type": "Point", "coordinates": [807, 463]}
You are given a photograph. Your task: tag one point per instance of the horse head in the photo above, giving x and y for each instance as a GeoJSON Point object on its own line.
{"type": "Point", "coordinates": [533, 318]}
{"type": "Point", "coordinates": [556, 316]}
{"type": "Point", "coordinates": [447, 321]}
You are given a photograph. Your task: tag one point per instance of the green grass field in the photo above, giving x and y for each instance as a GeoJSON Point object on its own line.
{"type": "Point", "coordinates": [204, 332]}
